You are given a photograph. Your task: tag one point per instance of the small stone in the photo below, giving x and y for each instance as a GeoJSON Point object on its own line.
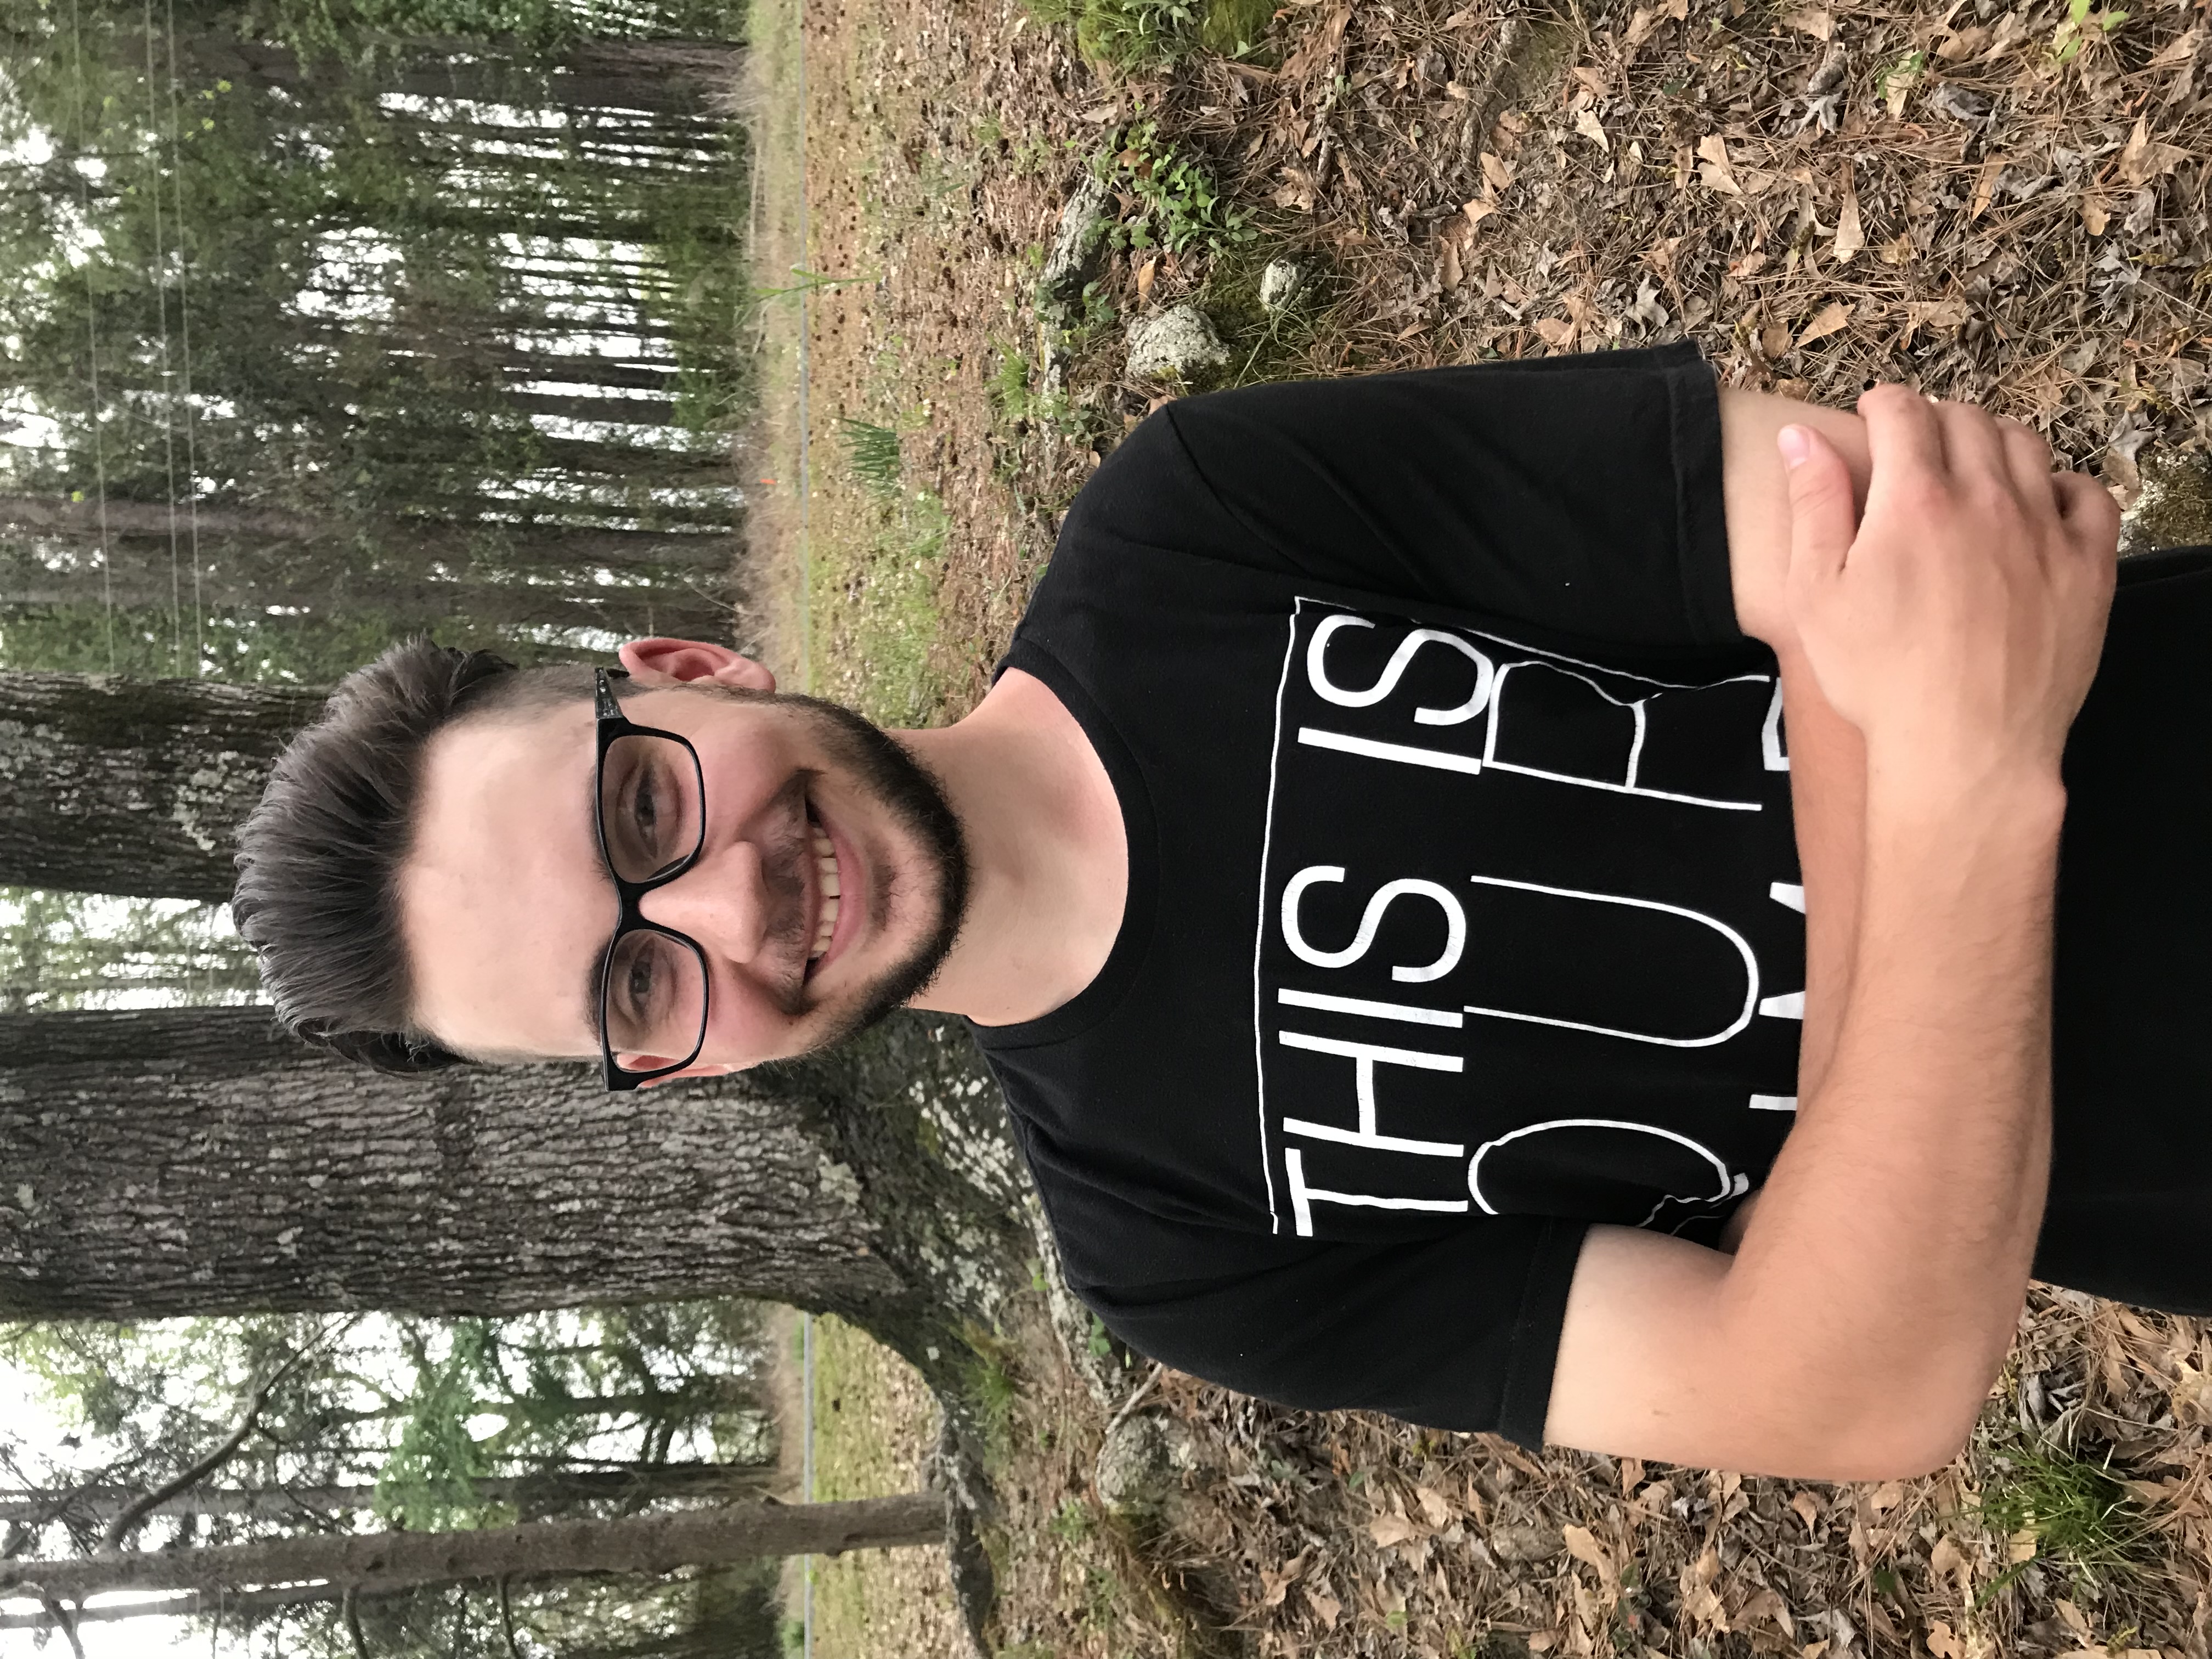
{"type": "Point", "coordinates": [1073, 260]}
{"type": "Point", "coordinates": [1520, 1545]}
{"type": "Point", "coordinates": [1279, 284]}
{"type": "Point", "coordinates": [1141, 1466]}
{"type": "Point", "coordinates": [1174, 344]}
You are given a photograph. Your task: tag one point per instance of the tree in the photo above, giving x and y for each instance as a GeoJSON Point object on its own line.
{"type": "Point", "coordinates": [134, 786]}
{"type": "Point", "coordinates": [381, 1562]}
{"type": "Point", "coordinates": [532, 1494]}
{"type": "Point", "coordinates": [197, 1161]}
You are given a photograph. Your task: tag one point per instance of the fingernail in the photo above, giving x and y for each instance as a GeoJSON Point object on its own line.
{"type": "Point", "coordinates": [1796, 444]}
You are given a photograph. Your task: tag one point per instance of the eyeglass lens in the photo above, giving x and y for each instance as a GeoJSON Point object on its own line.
{"type": "Point", "coordinates": [650, 815]}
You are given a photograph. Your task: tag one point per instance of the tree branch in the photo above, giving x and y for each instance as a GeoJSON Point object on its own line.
{"type": "Point", "coordinates": [63, 1623]}
{"type": "Point", "coordinates": [351, 1614]}
{"type": "Point", "coordinates": [133, 1514]}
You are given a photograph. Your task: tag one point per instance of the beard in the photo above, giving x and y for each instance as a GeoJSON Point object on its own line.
{"type": "Point", "coordinates": [882, 771]}
{"type": "Point", "coordinates": [906, 793]}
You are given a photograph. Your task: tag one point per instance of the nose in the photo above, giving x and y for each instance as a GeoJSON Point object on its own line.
{"type": "Point", "coordinates": [723, 901]}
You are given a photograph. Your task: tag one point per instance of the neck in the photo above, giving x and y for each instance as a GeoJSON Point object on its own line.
{"type": "Point", "coordinates": [1049, 870]}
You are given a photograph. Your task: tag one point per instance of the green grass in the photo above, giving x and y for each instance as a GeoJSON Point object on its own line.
{"type": "Point", "coordinates": [1129, 35]}
{"type": "Point", "coordinates": [872, 452]}
{"type": "Point", "coordinates": [2081, 1517]}
{"type": "Point", "coordinates": [853, 1458]}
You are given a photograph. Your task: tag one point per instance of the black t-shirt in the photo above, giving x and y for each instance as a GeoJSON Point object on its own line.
{"type": "Point", "coordinates": [1462, 906]}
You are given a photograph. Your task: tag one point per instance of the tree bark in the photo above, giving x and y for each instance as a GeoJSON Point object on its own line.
{"type": "Point", "coordinates": [134, 786]}
{"type": "Point", "coordinates": [169, 1162]}
{"type": "Point", "coordinates": [530, 1491]}
{"type": "Point", "coordinates": [380, 1562]}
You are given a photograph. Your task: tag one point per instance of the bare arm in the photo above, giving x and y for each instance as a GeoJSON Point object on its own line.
{"type": "Point", "coordinates": [1856, 1331]}
{"type": "Point", "coordinates": [1827, 756]}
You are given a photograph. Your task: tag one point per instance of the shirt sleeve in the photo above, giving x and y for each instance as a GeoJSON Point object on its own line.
{"type": "Point", "coordinates": [1457, 1331]}
{"type": "Point", "coordinates": [1578, 493]}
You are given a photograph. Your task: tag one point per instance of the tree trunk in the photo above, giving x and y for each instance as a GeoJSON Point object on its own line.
{"type": "Point", "coordinates": [129, 518]}
{"type": "Point", "coordinates": [134, 786]}
{"type": "Point", "coordinates": [236, 1604]}
{"type": "Point", "coordinates": [537, 1493]}
{"type": "Point", "coordinates": [169, 1162]}
{"type": "Point", "coordinates": [380, 1562]}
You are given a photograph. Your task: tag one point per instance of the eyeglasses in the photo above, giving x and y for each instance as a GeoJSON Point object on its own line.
{"type": "Point", "coordinates": [649, 807]}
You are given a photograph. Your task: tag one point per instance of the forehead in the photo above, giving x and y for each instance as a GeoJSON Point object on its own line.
{"type": "Point", "coordinates": [502, 899]}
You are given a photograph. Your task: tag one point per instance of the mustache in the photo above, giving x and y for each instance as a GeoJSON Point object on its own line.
{"type": "Point", "coordinates": [786, 934]}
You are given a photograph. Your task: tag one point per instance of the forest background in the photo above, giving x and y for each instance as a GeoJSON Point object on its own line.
{"type": "Point", "coordinates": [325, 325]}
{"type": "Point", "coordinates": [456, 327]}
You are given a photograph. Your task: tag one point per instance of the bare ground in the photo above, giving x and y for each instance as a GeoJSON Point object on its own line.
{"type": "Point", "coordinates": [1820, 196]}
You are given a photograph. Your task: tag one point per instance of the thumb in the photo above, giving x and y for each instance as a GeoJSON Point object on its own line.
{"type": "Point", "coordinates": [1823, 515]}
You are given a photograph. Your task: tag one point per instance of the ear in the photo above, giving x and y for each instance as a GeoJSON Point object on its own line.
{"type": "Point", "coordinates": [682, 662]}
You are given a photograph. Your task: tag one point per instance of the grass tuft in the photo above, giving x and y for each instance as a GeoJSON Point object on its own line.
{"type": "Point", "coordinates": [872, 452]}
{"type": "Point", "coordinates": [2079, 1514]}
{"type": "Point", "coordinates": [1133, 35]}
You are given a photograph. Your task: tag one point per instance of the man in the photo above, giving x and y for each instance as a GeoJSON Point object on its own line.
{"type": "Point", "coordinates": [1427, 973]}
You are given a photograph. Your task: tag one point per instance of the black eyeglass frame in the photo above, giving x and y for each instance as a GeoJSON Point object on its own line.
{"type": "Point", "coordinates": [613, 725]}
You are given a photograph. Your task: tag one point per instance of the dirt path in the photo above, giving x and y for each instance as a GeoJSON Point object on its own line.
{"type": "Point", "coordinates": [2004, 203]}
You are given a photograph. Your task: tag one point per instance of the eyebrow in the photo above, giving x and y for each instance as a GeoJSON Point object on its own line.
{"type": "Point", "coordinates": [594, 976]}
{"type": "Point", "coordinates": [595, 970]}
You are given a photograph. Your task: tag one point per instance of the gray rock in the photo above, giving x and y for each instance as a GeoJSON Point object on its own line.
{"type": "Point", "coordinates": [1073, 260]}
{"type": "Point", "coordinates": [1280, 284]}
{"type": "Point", "coordinates": [1174, 343]}
{"type": "Point", "coordinates": [1141, 1468]}
{"type": "Point", "coordinates": [1519, 1545]}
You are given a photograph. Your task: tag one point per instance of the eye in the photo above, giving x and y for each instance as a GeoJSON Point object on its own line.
{"type": "Point", "coordinates": [638, 982]}
{"type": "Point", "coordinates": [645, 805]}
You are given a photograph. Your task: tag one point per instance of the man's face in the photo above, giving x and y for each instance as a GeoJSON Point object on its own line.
{"type": "Point", "coordinates": [505, 902]}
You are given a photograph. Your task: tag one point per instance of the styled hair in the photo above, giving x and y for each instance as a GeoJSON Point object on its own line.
{"type": "Point", "coordinates": [319, 858]}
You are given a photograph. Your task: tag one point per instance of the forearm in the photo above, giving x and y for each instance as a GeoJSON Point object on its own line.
{"type": "Point", "coordinates": [1827, 757]}
{"type": "Point", "coordinates": [1891, 1243]}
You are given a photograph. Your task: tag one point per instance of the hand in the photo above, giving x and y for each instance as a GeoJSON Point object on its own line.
{"type": "Point", "coordinates": [1958, 624]}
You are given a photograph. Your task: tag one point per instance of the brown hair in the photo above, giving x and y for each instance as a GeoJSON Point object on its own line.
{"type": "Point", "coordinates": [319, 858]}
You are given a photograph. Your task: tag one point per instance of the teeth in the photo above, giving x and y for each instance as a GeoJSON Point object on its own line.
{"type": "Point", "coordinates": [825, 861]}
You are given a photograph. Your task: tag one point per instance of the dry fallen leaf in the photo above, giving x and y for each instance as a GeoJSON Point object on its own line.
{"type": "Point", "coordinates": [1146, 273]}
{"type": "Point", "coordinates": [2094, 216]}
{"type": "Point", "coordinates": [1389, 1529]}
{"type": "Point", "coordinates": [1775, 343]}
{"type": "Point", "coordinates": [1325, 1607]}
{"type": "Point", "coordinates": [2143, 161]}
{"type": "Point", "coordinates": [1558, 333]}
{"type": "Point", "coordinates": [1583, 1544]}
{"type": "Point", "coordinates": [1586, 124]}
{"type": "Point", "coordinates": [2179, 50]}
{"type": "Point", "coordinates": [1814, 20]}
{"type": "Point", "coordinates": [2075, 1622]}
{"type": "Point", "coordinates": [1849, 236]}
{"type": "Point", "coordinates": [1808, 1509]}
{"type": "Point", "coordinates": [1936, 314]}
{"type": "Point", "coordinates": [1835, 316]}
{"type": "Point", "coordinates": [1498, 171]}
{"type": "Point", "coordinates": [1943, 1641]}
